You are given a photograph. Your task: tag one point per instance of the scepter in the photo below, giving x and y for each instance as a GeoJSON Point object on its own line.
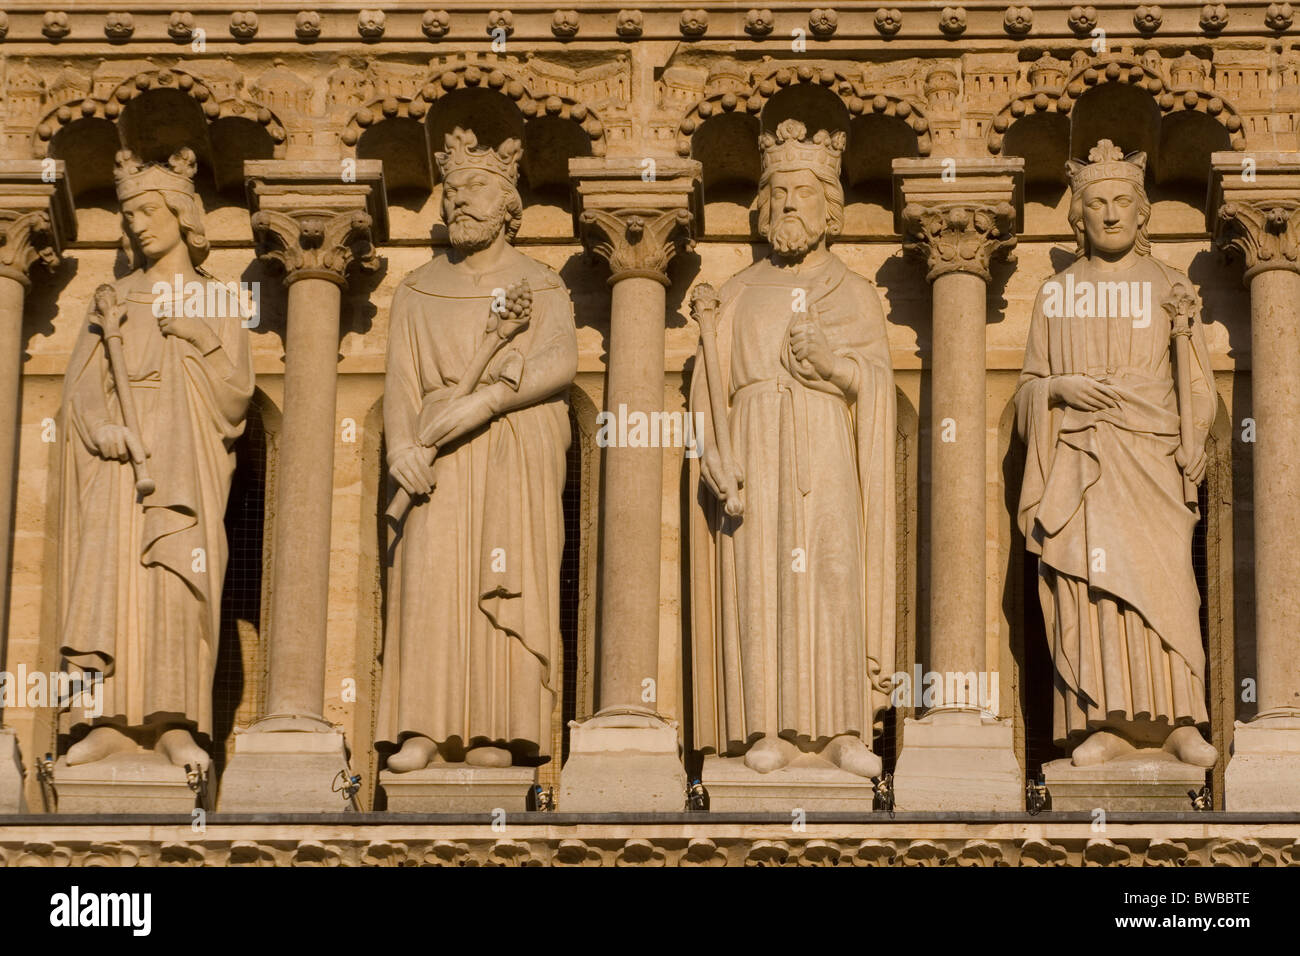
{"type": "Point", "coordinates": [501, 328]}
{"type": "Point", "coordinates": [1181, 306]}
{"type": "Point", "coordinates": [704, 309]}
{"type": "Point", "coordinates": [110, 327]}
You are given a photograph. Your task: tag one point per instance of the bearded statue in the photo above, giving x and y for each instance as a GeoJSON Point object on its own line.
{"type": "Point", "coordinates": [482, 349]}
{"type": "Point", "coordinates": [792, 531]}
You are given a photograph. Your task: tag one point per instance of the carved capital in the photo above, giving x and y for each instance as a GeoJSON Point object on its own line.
{"type": "Point", "coordinates": [1266, 234]}
{"type": "Point", "coordinates": [316, 219]}
{"type": "Point", "coordinates": [635, 244]}
{"type": "Point", "coordinates": [958, 236]}
{"type": "Point", "coordinates": [636, 214]}
{"type": "Point", "coordinates": [36, 216]}
{"type": "Point", "coordinates": [1254, 209]}
{"type": "Point", "coordinates": [958, 213]}
{"type": "Point", "coordinates": [315, 243]}
{"type": "Point", "coordinates": [25, 238]}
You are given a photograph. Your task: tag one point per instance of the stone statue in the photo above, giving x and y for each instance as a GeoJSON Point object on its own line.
{"type": "Point", "coordinates": [154, 398]}
{"type": "Point", "coordinates": [793, 528]}
{"type": "Point", "coordinates": [481, 350]}
{"type": "Point", "coordinates": [1115, 402]}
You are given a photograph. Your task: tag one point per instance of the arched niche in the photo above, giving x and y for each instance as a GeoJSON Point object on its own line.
{"type": "Point", "coordinates": [1187, 139]}
{"type": "Point", "coordinates": [1043, 141]}
{"type": "Point", "coordinates": [155, 113]}
{"type": "Point", "coordinates": [721, 130]}
{"type": "Point", "coordinates": [1126, 115]}
{"type": "Point", "coordinates": [496, 103]}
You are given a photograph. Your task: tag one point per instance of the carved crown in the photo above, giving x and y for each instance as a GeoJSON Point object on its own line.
{"type": "Point", "coordinates": [133, 176]}
{"type": "Point", "coordinates": [1107, 161]}
{"type": "Point", "coordinates": [463, 151]}
{"type": "Point", "coordinates": [788, 149]}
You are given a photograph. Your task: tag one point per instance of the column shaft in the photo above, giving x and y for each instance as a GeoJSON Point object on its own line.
{"type": "Point", "coordinates": [304, 499]}
{"type": "Point", "coordinates": [1275, 387]}
{"type": "Point", "coordinates": [13, 295]}
{"type": "Point", "coordinates": [633, 490]}
{"type": "Point", "coordinates": [957, 478]}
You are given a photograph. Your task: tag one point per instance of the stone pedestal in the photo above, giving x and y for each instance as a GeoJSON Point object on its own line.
{"type": "Point", "coordinates": [623, 762]}
{"type": "Point", "coordinates": [1264, 772]}
{"type": "Point", "coordinates": [459, 788]}
{"type": "Point", "coordinates": [143, 782]}
{"type": "Point", "coordinates": [958, 760]}
{"type": "Point", "coordinates": [1149, 780]}
{"type": "Point", "coordinates": [11, 774]}
{"type": "Point", "coordinates": [285, 772]}
{"type": "Point", "coordinates": [809, 783]}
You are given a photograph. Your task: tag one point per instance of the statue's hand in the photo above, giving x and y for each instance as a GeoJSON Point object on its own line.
{"type": "Point", "coordinates": [118, 443]}
{"type": "Point", "coordinates": [191, 329]}
{"type": "Point", "coordinates": [105, 310]}
{"type": "Point", "coordinates": [1193, 466]}
{"type": "Point", "coordinates": [726, 488]}
{"type": "Point", "coordinates": [413, 471]}
{"type": "Point", "coordinates": [810, 348]}
{"type": "Point", "coordinates": [1082, 392]}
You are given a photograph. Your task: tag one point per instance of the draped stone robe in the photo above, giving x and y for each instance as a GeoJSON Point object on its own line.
{"type": "Point", "coordinates": [1102, 506]}
{"type": "Point", "coordinates": [472, 639]}
{"type": "Point", "coordinates": [140, 582]}
{"type": "Point", "coordinates": [779, 650]}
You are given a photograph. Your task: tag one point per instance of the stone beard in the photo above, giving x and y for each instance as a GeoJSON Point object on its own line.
{"type": "Point", "coordinates": [472, 638]}
{"type": "Point", "coordinates": [793, 602]}
{"type": "Point", "coordinates": [141, 579]}
{"type": "Point", "coordinates": [1102, 502]}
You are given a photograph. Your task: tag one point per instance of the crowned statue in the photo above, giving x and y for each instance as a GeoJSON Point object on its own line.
{"type": "Point", "coordinates": [1115, 403]}
{"type": "Point", "coordinates": [154, 398]}
{"type": "Point", "coordinates": [792, 526]}
{"type": "Point", "coordinates": [481, 352]}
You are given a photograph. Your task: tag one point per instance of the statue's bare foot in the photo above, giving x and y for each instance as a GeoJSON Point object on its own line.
{"type": "Point", "coordinates": [1187, 744]}
{"type": "Point", "coordinates": [103, 741]}
{"type": "Point", "coordinates": [1103, 745]}
{"type": "Point", "coordinates": [488, 757]}
{"type": "Point", "coordinates": [416, 753]}
{"type": "Point", "coordinates": [852, 755]}
{"type": "Point", "coordinates": [770, 753]}
{"type": "Point", "coordinates": [180, 748]}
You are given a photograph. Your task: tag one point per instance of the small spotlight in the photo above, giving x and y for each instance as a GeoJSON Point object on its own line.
{"type": "Point", "coordinates": [1202, 799]}
{"type": "Point", "coordinates": [697, 797]}
{"type": "Point", "coordinates": [884, 793]}
{"type": "Point", "coordinates": [1037, 797]}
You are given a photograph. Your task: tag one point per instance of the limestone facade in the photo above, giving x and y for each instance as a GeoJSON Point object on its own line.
{"type": "Point", "coordinates": [315, 130]}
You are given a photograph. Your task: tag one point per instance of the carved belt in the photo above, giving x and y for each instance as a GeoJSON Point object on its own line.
{"type": "Point", "coordinates": [795, 393]}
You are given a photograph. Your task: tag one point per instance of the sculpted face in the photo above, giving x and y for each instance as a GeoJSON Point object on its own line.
{"type": "Point", "coordinates": [474, 207]}
{"type": "Point", "coordinates": [797, 212]}
{"type": "Point", "coordinates": [152, 224]}
{"type": "Point", "coordinates": [1111, 218]}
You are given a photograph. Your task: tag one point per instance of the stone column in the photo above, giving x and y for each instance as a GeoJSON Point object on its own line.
{"type": "Point", "coordinates": [959, 756]}
{"type": "Point", "coordinates": [315, 225]}
{"type": "Point", "coordinates": [1260, 219]}
{"type": "Point", "coordinates": [36, 218]}
{"type": "Point", "coordinates": [627, 757]}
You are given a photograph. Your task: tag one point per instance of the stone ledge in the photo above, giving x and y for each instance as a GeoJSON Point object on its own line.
{"type": "Point", "coordinates": [529, 841]}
